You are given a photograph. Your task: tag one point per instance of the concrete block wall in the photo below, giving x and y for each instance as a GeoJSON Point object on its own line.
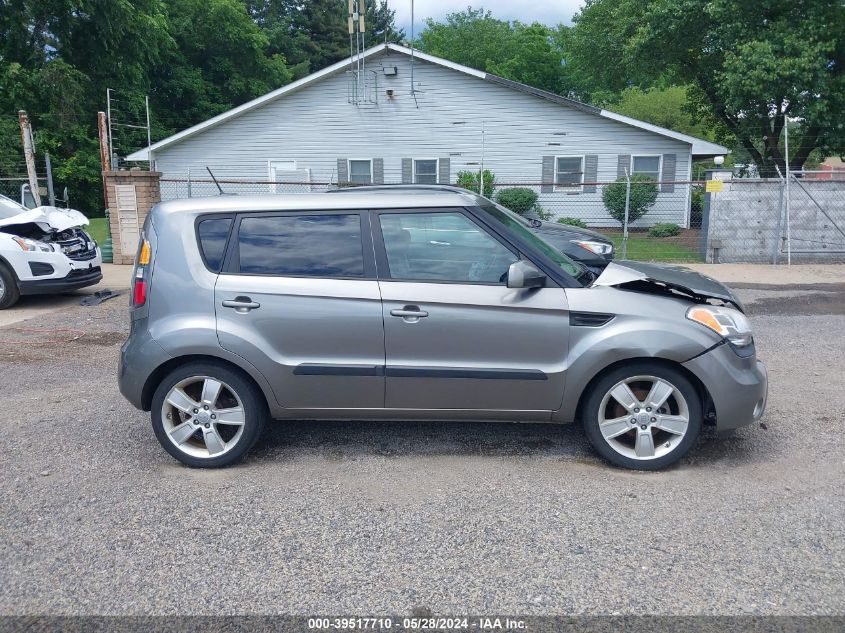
{"type": "Point", "coordinates": [747, 222]}
{"type": "Point", "coordinates": [147, 194]}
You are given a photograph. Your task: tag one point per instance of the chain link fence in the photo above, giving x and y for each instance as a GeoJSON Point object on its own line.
{"type": "Point", "coordinates": [749, 220]}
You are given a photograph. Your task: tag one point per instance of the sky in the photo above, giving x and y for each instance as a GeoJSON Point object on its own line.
{"type": "Point", "coordinates": [550, 12]}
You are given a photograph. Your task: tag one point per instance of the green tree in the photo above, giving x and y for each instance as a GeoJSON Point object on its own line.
{"type": "Point", "coordinates": [667, 107]}
{"type": "Point", "coordinates": [747, 65]}
{"type": "Point", "coordinates": [521, 52]}
{"type": "Point", "coordinates": [643, 196]}
{"type": "Point", "coordinates": [56, 60]}
{"type": "Point", "coordinates": [220, 58]}
{"type": "Point", "coordinates": [313, 35]}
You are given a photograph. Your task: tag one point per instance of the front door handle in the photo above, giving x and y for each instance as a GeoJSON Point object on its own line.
{"type": "Point", "coordinates": [411, 314]}
{"type": "Point", "coordinates": [241, 304]}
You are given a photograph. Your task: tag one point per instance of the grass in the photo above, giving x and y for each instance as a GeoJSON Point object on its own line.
{"type": "Point", "coordinates": [651, 249]}
{"type": "Point", "coordinates": [99, 229]}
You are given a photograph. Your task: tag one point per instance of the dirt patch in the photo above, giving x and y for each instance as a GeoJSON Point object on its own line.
{"type": "Point", "coordinates": [102, 338]}
{"type": "Point", "coordinates": [817, 303]}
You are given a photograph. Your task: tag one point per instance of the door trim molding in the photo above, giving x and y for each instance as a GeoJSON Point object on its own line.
{"type": "Point", "coordinates": [476, 373]}
{"type": "Point", "coordinates": [411, 371]}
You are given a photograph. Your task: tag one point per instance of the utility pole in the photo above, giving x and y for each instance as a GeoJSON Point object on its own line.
{"type": "Point", "coordinates": [29, 155]}
{"type": "Point", "coordinates": [50, 193]}
{"type": "Point", "coordinates": [788, 176]}
{"type": "Point", "coordinates": [105, 156]}
{"type": "Point", "coordinates": [481, 174]}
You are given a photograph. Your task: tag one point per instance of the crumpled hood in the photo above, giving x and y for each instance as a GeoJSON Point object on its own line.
{"type": "Point", "coordinates": [678, 278]}
{"type": "Point", "coordinates": [48, 219]}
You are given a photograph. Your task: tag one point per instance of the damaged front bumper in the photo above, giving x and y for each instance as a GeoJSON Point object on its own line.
{"type": "Point", "coordinates": [738, 386]}
{"type": "Point", "coordinates": [75, 279]}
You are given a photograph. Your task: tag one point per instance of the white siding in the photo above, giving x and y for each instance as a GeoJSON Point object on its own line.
{"type": "Point", "coordinates": [316, 125]}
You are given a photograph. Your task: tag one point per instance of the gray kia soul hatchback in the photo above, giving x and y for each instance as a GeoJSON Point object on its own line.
{"type": "Point", "coordinates": [419, 304]}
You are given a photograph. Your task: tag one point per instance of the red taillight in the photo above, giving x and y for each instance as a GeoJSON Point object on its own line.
{"type": "Point", "coordinates": [142, 261]}
{"type": "Point", "coordinates": [139, 293]}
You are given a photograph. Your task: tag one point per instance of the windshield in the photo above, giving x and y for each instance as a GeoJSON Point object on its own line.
{"type": "Point", "coordinates": [9, 208]}
{"type": "Point", "coordinates": [520, 226]}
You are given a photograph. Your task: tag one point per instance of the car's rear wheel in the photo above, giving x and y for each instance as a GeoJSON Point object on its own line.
{"type": "Point", "coordinates": [643, 416]}
{"type": "Point", "coordinates": [207, 415]}
{"type": "Point", "coordinates": [9, 293]}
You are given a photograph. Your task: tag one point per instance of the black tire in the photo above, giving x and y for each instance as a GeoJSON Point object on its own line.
{"type": "Point", "coordinates": [10, 293]}
{"type": "Point", "coordinates": [590, 414]}
{"type": "Point", "coordinates": [252, 401]}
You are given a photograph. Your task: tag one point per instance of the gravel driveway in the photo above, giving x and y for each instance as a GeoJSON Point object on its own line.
{"type": "Point", "coordinates": [354, 518]}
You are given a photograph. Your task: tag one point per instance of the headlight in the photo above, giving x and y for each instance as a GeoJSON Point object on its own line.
{"type": "Point", "coordinates": [599, 248]}
{"type": "Point", "coordinates": [727, 322]}
{"type": "Point", "coordinates": [27, 244]}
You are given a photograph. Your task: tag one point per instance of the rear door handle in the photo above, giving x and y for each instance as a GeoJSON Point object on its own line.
{"type": "Point", "coordinates": [241, 304]}
{"type": "Point", "coordinates": [412, 314]}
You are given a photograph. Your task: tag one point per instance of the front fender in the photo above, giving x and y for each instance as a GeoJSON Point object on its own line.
{"type": "Point", "coordinates": [643, 327]}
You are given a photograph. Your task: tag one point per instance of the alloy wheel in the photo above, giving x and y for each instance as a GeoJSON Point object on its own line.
{"type": "Point", "coordinates": [644, 417]}
{"type": "Point", "coordinates": [203, 416]}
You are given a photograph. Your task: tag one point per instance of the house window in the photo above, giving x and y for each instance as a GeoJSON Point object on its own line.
{"type": "Point", "coordinates": [361, 172]}
{"type": "Point", "coordinates": [286, 178]}
{"type": "Point", "coordinates": [646, 165]}
{"type": "Point", "coordinates": [425, 171]}
{"type": "Point", "coordinates": [569, 172]}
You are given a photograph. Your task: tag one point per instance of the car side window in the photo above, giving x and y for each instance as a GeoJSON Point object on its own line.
{"type": "Point", "coordinates": [443, 246]}
{"type": "Point", "coordinates": [309, 245]}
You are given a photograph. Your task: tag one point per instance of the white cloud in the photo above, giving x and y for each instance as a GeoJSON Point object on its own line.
{"type": "Point", "coordinates": [550, 12]}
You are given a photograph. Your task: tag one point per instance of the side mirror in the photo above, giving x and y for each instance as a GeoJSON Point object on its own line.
{"type": "Point", "coordinates": [521, 274]}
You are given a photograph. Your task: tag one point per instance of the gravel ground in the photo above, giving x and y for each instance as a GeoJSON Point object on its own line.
{"type": "Point", "coordinates": [368, 518]}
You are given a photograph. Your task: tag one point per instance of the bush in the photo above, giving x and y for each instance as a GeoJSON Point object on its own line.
{"type": "Point", "coordinates": [541, 213]}
{"type": "Point", "coordinates": [696, 212]}
{"type": "Point", "coordinates": [572, 222]}
{"type": "Point", "coordinates": [643, 197]}
{"type": "Point", "coordinates": [664, 229]}
{"type": "Point", "coordinates": [469, 180]}
{"type": "Point", "coordinates": [520, 200]}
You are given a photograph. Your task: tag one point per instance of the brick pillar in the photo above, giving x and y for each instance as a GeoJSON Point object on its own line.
{"type": "Point", "coordinates": [130, 195]}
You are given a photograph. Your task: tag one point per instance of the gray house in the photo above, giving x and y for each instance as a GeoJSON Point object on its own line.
{"type": "Point", "coordinates": [392, 115]}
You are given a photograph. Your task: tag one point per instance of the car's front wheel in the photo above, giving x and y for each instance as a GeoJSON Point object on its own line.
{"type": "Point", "coordinates": [9, 293]}
{"type": "Point", "coordinates": [207, 415]}
{"type": "Point", "coordinates": [643, 415]}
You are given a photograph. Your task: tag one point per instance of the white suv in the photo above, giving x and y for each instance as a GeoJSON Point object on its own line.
{"type": "Point", "coordinates": [44, 250]}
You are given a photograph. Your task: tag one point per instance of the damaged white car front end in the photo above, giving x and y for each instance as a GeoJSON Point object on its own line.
{"type": "Point", "coordinates": [44, 251]}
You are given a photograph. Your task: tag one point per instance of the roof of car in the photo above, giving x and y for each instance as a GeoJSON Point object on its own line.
{"type": "Point", "coordinates": [355, 198]}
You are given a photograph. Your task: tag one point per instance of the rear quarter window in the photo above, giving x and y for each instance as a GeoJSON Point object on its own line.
{"type": "Point", "coordinates": [213, 234]}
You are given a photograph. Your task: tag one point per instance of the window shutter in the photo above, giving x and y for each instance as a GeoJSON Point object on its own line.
{"type": "Point", "coordinates": [548, 176]}
{"type": "Point", "coordinates": [591, 172]}
{"type": "Point", "coordinates": [444, 171]}
{"type": "Point", "coordinates": [378, 171]}
{"type": "Point", "coordinates": [342, 171]}
{"type": "Point", "coordinates": [407, 171]}
{"type": "Point", "coordinates": [669, 162]}
{"type": "Point", "coordinates": [623, 164]}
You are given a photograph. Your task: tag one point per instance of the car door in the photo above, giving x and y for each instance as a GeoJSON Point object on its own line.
{"type": "Point", "coordinates": [298, 298]}
{"type": "Point", "coordinates": [456, 337]}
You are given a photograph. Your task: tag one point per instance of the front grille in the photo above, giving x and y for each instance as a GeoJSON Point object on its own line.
{"type": "Point", "coordinates": [78, 246]}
